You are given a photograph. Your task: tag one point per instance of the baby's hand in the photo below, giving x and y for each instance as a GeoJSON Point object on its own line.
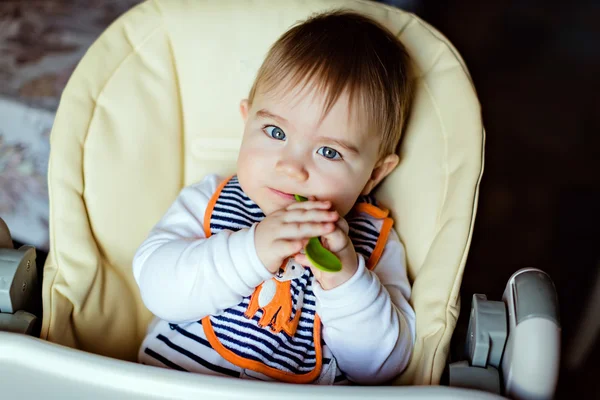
{"type": "Point", "coordinates": [340, 244]}
{"type": "Point", "coordinates": [285, 232]}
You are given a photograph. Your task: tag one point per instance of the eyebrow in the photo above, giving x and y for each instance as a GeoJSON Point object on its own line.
{"type": "Point", "coordinates": [266, 114]}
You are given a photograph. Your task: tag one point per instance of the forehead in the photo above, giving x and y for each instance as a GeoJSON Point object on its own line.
{"type": "Point", "coordinates": [305, 105]}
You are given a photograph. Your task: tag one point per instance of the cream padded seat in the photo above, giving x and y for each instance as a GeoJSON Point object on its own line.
{"type": "Point", "coordinates": [153, 106]}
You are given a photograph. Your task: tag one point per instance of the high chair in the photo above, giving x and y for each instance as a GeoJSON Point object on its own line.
{"type": "Point", "coordinates": [152, 107]}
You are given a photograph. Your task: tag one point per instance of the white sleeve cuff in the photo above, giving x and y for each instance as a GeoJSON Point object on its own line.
{"type": "Point", "coordinates": [350, 296]}
{"type": "Point", "coordinates": [244, 241]}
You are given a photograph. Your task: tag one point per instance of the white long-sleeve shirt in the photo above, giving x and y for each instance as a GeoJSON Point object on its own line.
{"type": "Point", "coordinates": [368, 324]}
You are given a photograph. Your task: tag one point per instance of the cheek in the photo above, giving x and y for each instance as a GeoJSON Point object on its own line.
{"type": "Point", "coordinates": [244, 157]}
{"type": "Point", "coordinates": [253, 163]}
{"type": "Point", "coordinates": [249, 154]}
{"type": "Point", "coordinates": [343, 191]}
{"type": "Point", "coordinates": [245, 166]}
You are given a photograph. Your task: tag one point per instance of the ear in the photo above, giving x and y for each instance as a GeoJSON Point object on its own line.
{"type": "Point", "coordinates": [382, 169]}
{"type": "Point", "coordinates": [244, 109]}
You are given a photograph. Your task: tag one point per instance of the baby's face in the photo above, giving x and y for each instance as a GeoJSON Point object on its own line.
{"type": "Point", "coordinates": [289, 149]}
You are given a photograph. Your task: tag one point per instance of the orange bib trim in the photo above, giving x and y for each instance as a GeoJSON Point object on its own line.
{"type": "Point", "coordinates": [257, 366]}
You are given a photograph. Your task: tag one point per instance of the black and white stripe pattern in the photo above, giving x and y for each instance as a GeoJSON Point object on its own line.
{"type": "Point", "coordinates": [367, 198]}
{"type": "Point", "coordinates": [363, 235]}
{"type": "Point", "coordinates": [244, 337]}
{"type": "Point", "coordinates": [234, 210]}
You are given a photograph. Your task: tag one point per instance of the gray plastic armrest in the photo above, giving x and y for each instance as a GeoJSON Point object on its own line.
{"type": "Point", "coordinates": [528, 358]}
{"type": "Point", "coordinates": [19, 322]}
{"type": "Point", "coordinates": [530, 364]}
{"type": "Point", "coordinates": [18, 283]}
{"type": "Point", "coordinates": [18, 277]}
{"type": "Point", "coordinates": [487, 332]}
{"type": "Point", "coordinates": [486, 337]}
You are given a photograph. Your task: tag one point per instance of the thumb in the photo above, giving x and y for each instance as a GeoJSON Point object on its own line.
{"type": "Point", "coordinates": [302, 259]}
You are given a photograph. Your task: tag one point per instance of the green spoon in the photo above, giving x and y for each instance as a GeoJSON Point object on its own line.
{"type": "Point", "coordinates": [318, 255]}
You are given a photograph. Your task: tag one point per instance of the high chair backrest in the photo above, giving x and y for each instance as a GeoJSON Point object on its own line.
{"type": "Point", "coordinates": [153, 106]}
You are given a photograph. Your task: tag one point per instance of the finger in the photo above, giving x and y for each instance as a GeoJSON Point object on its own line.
{"type": "Point", "coordinates": [335, 241]}
{"type": "Point", "coordinates": [343, 225]}
{"type": "Point", "coordinates": [308, 205]}
{"type": "Point", "coordinates": [285, 248]}
{"type": "Point", "coordinates": [310, 216]}
{"type": "Point", "coordinates": [302, 259]}
{"type": "Point", "coordinates": [303, 230]}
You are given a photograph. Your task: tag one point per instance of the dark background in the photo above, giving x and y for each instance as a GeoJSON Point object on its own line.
{"type": "Point", "coordinates": [536, 68]}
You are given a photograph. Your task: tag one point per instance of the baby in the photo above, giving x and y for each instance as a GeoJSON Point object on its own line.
{"type": "Point", "coordinates": [224, 270]}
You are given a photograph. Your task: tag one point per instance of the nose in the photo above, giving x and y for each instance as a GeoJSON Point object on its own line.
{"type": "Point", "coordinates": [292, 168]}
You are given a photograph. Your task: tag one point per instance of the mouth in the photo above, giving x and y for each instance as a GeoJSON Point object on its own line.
{"type": "Point", "coordinates": [281, 194]}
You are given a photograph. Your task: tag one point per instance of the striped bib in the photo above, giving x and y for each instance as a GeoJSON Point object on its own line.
{"type": "Point", "coordinates": [275, 331]}
{"type": "Point", "coordinates": [280, 336]}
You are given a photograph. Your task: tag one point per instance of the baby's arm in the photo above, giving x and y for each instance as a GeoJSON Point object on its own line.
{"type": "Point", "coordinates": [182, 275]}
{"type": "Point", "coordinates": [367, 322]}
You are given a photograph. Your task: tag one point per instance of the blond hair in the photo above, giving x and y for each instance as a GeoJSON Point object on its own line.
{"type": "Point", "coordinates": [343, 50]}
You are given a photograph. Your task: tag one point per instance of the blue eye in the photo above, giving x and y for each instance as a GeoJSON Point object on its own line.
{"type": "Point", "coordinates": [329, 153]}
{"type": "Point", "coordinates": [274, 132]}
